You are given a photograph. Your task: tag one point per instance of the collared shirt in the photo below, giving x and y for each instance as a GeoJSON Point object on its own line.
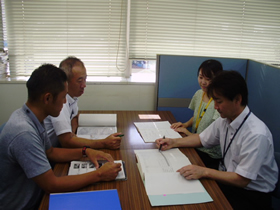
{"type": "Point", "coordinates": [251, 153]}
{"type": "Point", "coordinates": [62, 124]}
{"type": "Point", "coordinates": [23, 143]}
{"type": "Point", "coordinates": [210, 116]}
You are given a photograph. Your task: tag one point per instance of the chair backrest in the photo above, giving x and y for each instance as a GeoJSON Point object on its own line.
{"type": "Point", "coordinates": [276, 192]}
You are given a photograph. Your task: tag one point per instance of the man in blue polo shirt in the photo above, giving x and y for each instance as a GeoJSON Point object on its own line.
{"type": "Point", "coordinates": [25, 149]}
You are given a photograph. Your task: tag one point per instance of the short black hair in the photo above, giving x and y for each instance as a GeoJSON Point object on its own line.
{"type": "Point", "coordinates": [229, 84]}
{"type": "Point", "coordinates": [46, 78]}
{"type": "Point", "coordinates": [67, 65]}
{"type": "Point", "coordinates": [210, 68]}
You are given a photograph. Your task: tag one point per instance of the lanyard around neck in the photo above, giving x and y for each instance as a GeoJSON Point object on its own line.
{"type": "Point", "coordinates": [226, 150]}
{"type": "Point", "coordinates": [198, 118]}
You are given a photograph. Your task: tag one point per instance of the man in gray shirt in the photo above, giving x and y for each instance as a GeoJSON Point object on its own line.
{"type": "Point", "coordinates": [25, 149]}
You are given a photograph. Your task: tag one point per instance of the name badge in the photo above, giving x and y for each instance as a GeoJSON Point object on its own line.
{"type": "Point", "coordinates": [222, 167]}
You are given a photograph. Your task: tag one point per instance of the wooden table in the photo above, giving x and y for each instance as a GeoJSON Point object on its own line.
{"type": "Point", "coordinates": [132, 192]}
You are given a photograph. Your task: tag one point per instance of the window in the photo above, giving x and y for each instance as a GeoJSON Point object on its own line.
{"type": "Point", "coordinates": [47, 31]}
{"type": "Point", "coordinates": [109, 34]}
{"type": "Point", "coordinates": [3, 52]}
{"type": "Point", "coordinates": [237, 29]}
{"type": "Point", "coordinates": [143, 70]}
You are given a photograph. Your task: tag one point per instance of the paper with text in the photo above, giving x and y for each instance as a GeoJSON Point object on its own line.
{"type": "Point", "coordinates": [150, 131]}
{"type": "Point", "coordinates": [158, 171]}
{"type": "Point", "coordinates": [97, 126]}
{"type": "Point", "coordinates": [170, 183]}
{"type": "Point", "coordinates": [81, 167]}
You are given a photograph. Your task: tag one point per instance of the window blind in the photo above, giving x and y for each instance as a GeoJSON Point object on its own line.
{"type": "Point", "coordinates": [1, 29]}
{"type": "Point", "coordinates": [47, 31]}
{"type": "Point", "coordinates": [237, 29]}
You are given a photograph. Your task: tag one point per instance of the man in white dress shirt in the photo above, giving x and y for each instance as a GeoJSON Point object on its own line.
{"type": "Point", "coordinates": [248, 171]}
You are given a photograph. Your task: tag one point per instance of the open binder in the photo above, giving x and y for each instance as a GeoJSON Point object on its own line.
{"type": "Point", "coordinates": [81, 167]}
{"type": "Point", "coordinates": [165, 186]}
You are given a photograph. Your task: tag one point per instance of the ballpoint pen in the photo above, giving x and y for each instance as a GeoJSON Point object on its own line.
{"type": "Point", "coordinates": [162, 153]}
{"type": "Point", "coordinates": [161, 144]}
{"type": "Point", "coordinates": [121, 135]}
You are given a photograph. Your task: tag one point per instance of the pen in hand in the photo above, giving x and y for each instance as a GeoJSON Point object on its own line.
{"type": "Point", "coordinates": [161, 144]}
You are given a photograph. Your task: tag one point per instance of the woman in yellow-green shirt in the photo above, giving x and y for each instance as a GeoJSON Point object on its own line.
{"type": "Point", "coordinates": [204, 112]}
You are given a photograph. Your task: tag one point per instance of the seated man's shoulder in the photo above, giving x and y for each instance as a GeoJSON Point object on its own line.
{"type": "Point", "coordinates": [258, 126]}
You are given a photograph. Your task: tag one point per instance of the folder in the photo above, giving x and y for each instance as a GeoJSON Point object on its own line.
{"type": "Point", "coordinates": [101, 200]}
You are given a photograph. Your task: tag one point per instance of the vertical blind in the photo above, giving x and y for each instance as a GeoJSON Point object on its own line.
{"type": "Point", "coordinates": [238, 29]}
{"type": "Point", "coordinates": [47, 31]}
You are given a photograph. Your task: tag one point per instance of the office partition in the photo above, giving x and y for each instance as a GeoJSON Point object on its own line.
{"type": "Point", "coordinates": [263, 83]}
{"type": "Point", "coordinates": [177, 83]}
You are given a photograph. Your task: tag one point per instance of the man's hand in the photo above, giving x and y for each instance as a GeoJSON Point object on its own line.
{"type": "Point", "coordinates": [95, 155]}
{"type": "Point", "coordinates": [166, 143]}
{"type": "Point", "coordinates": [197, 172]}
{"type": "Point", "coordinates": [109, 171]}
{"type": "Point", "coordinates": [113, 141]}
{"type": "Point", "coordinates": [192, 172]}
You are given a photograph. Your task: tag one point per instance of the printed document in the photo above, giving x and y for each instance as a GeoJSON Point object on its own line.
{"type": "Point", "coordinates": [165, 186]}
{"type": "Point", "coordinates": [96, 126]}
{"type": "Point", "coordinates": [150, 131]}
{"type": "Point", "coordinates": [81, 167]}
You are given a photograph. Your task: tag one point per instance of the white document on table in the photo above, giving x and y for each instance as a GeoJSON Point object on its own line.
{"type": "Point", "coordinates": [97, 126]}
{"type": "Point", "coordinates": [81, 167]}
{"type": "Point", "coordinates": [150, 131]}
{"type": "Point", "coordinates": [165, 186]}
{"type": "Point", "coordinates": [171, 183]}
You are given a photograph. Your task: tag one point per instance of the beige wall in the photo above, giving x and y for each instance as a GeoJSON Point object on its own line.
{"type": "Point", "coordinates": [102, 96]}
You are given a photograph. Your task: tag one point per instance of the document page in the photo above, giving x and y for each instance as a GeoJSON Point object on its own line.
{"type": "Point", "coordinates": [159, 168]}
{"type": "Point", "coordinates": [95, 120]}
{"type": "Point", "coordinates": [97, 126]}
{"type": "Point", "coordinates": [155, 161]}
{"type": "Point", "coordinates": [81, 167]}
{"type": "Point", "coordinates": [171, 183]}
{"type": "Point", "coordinates": [150, 131]}
{"type": "Point", "coordinates": [95, 132]}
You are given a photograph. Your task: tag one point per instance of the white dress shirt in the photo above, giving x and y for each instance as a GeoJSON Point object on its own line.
{"type": "Point", "coordinates": [56, 126]}
{"type": "Point", "coordinates": [251, 153]}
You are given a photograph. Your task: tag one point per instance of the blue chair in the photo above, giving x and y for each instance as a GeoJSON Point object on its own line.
{"type": "Point", "coordinates": [276, 192]}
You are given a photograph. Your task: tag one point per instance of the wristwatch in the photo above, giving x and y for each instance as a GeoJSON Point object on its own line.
{"type": "Point", "coordinates": [84, 151]}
